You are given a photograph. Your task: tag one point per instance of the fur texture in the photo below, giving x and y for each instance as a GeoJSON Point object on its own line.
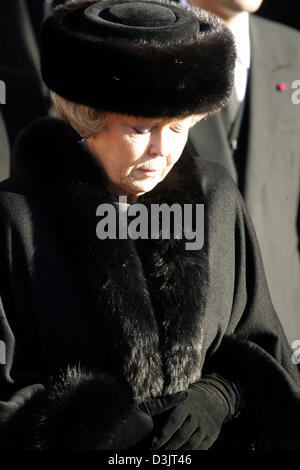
{"type": "Point", "coordinates": [153, 299]}
{"type": "Point", "coordinates": [138, 76]}
{"type": "Point", "coordinates": [86, 410]}
{"type": "Point", "coordinates": [142, 288]}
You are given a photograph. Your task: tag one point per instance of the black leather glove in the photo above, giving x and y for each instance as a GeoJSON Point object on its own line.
{"type": "Point", "coordinates": [193, 418]}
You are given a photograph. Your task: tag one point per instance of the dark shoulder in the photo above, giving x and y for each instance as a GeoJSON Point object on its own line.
{"type": "Point", "coordinates": [211, 175]}
{"type": "Point", "coordinates": [214, 176]}
{"type": "Point", "coordinates": [216, 183]}
{"type": "Point", "coordinates": [15, 184]}
{"type": "Point", "coordinates": [15, 198]}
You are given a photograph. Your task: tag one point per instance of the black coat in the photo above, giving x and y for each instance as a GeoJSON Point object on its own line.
{"type": "Point", "coordinates": [149, 312]}
{"type": "Point", "coordinates": [271, 161]}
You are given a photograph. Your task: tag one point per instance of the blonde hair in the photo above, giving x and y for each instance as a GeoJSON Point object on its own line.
{"type": "Point", "coordinates": [87, 121]}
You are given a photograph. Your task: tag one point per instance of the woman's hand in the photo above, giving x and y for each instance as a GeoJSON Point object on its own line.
{"type": "Point", "coordinates": [195, 416]}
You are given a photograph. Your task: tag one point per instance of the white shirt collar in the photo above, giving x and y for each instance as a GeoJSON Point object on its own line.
{"type": "Point", "coordinates": [240, 30]}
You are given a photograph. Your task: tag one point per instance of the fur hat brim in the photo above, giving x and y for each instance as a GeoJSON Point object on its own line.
{"type": "Point", "coordinates": [139, 77]}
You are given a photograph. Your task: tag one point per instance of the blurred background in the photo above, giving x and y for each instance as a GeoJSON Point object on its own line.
{"type": "Point", "coordinates": [284, 12]}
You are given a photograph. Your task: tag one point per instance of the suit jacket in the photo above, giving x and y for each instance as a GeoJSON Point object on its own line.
{"type": "Point", "coordinates": [26, 96]}
{"type": "Point", "coordinates": [4, 150]}
{"type": "Point", "coordinates": [271, 186]}
{"type": "Point", "coordinates": [148, 311]}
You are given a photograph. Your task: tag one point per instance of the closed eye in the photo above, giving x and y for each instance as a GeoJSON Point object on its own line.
{"type": "Point", "coordinates": [142, 130]}
{"type": "Point", "coordinates": [178, 130]}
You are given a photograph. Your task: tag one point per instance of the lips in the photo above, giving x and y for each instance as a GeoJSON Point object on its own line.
{"type": "Point", "coordinates": [147, 171]}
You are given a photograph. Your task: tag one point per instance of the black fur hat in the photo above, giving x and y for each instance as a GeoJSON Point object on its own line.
{"type": "Point", "coordinates": [143, 58]}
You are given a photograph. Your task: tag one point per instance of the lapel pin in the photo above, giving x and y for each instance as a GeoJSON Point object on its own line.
{"type": "Point", "coordinates": [281, 86]}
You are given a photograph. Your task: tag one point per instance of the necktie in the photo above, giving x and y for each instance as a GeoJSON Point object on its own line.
{"type": "Point", "coordinates": [232, 107]}
{"type": "Point", "coordinates": [232, 115]}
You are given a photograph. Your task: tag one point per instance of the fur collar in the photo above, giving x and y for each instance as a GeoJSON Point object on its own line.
{"type": "Point", "coordinates": [151, 293]}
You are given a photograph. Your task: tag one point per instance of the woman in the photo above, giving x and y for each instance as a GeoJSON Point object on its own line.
{"type": "Point", "coordinates": [118, 340]}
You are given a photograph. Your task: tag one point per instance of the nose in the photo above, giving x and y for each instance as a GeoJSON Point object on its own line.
{"type": "Point", "coordinates": [160, 143]}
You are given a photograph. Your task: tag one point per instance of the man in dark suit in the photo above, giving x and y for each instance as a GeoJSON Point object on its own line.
{"type": "Point", "coordinates": [257, 138]}
{"type": "Point", "coordinates": [26, 96]}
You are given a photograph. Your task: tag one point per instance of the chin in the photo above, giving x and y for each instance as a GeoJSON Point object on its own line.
{"type": "Point", "coordinates": [146, 188]}
{"type": "Point", "coordinates": [251, 6]}
{"type": "Point", "coordinates": [147, 185]}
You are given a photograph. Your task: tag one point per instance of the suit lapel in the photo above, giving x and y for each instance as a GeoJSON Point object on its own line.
{"type": "Point", "coordinates": [265, 101]}
{"type": "Point", "coordinates": [208, 138]}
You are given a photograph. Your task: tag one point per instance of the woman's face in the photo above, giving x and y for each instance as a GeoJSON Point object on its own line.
{"type": "Point", "coordinates": [137, 153]}
{"type": "Point", "coordinates": [224, 8]}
